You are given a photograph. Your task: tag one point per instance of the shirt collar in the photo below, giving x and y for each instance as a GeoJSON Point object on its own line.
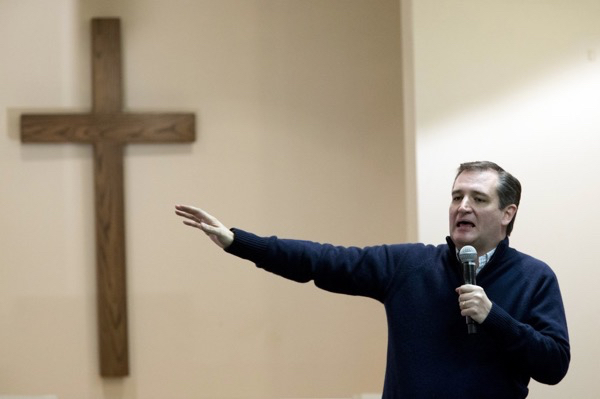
{"type": "Point", "coordinates": [483, 259]}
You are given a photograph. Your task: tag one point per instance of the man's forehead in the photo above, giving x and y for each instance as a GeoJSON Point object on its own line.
{"type": "Point", "coordinates": [482, 181]}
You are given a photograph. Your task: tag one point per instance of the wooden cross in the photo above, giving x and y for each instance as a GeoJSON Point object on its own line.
{"type": "Point", "coordinates": [108, 129]}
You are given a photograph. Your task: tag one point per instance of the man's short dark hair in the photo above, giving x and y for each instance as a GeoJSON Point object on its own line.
{"type": "Point", "coordinates": [509, 188]}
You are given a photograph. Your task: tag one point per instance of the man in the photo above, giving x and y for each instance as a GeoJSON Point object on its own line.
{"type": "Point", "coordinates": [522, 330]}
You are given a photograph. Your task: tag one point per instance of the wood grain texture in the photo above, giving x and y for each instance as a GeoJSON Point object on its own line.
{"type": "Point", "coordinates": [110, 259]}
{"type": "Point", "coordinates": [120, 127]}
{"type": "Point", "coordinates": [107, 81]}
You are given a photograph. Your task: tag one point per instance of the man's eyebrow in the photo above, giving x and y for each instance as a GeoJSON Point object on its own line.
{"type": "Point", "coordinates": [475, 192]}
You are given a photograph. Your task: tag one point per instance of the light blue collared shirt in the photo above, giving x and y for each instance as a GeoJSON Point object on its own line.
{"type": "Point", "coordinates": [483, 259]}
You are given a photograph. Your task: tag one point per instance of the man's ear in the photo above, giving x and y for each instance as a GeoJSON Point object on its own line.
{"type": "Point", "coordinates": [508, 214]}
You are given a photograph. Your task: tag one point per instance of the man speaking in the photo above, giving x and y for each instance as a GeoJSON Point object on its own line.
{"type": "Point", "coordinates": [515, 305]}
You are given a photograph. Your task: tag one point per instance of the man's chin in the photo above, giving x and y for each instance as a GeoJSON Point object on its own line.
{"type": "Point", "coordinates": [461, 241]}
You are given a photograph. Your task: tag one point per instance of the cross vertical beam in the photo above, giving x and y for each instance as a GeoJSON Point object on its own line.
{"type": "Point", "coordinates": [107, 98]}
{"type": "Point", "coordinates": [110, 259]}
{"type": "Point", "coordinates": [107, 81]}
{"type": "Point", "coordinates": [108, 129]}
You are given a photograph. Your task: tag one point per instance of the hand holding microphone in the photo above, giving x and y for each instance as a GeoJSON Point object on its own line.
{"type": "Point", "coordinates": [468, 258]}
{"type": "Point", "coordinates": [473, 301]}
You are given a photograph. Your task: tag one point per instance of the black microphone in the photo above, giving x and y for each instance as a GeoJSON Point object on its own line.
{"type": "Point", "coordinates": [468, 257]}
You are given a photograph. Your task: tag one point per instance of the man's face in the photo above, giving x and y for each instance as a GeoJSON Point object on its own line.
{"type": "Point", "coordinates": [475, 217]}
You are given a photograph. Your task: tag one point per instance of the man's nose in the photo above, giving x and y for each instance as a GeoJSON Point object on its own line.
{"type": "Point", "coordinates": [465, 205]}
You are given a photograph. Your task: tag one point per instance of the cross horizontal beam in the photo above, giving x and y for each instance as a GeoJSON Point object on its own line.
{"type": "Point", "coordinates": [117, 127]}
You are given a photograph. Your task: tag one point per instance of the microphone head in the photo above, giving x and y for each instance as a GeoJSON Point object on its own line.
{"type": "Point", "coordinates": [467, 254]}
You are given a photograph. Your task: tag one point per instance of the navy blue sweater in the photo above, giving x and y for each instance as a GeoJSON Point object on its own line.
{"type": "Point", "coordinates": [430, 354]}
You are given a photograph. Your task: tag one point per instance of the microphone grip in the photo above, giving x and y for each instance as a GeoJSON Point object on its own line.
{"type": "Point", "coordinates": [469, 275]}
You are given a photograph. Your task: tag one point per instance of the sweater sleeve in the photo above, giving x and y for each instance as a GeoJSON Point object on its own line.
{"type": "Point", "coordinates": [348, 270]}
{"type": "Point", "coordinates": [540, 344]}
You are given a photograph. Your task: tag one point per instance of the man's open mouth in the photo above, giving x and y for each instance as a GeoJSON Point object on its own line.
{"type": "Point", "coordinates": [462, 223]}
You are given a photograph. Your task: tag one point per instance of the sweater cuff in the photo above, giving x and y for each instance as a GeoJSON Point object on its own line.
{"type": "Point", "coordinates": [247, 245]}
{"type": "Point", "coordinates": [501, 324]}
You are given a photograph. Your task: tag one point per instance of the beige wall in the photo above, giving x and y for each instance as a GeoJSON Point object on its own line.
{"type": "Point", "coordinates": [299, 111]}
{"type": "Point", "coordinates": [518, 82]}
{"type": "Point", "coordinates": [299, 134]}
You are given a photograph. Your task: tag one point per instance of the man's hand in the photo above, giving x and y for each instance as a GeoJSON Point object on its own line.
{"type": "Point", "coordinates": [473, 302]}
{"type": "Point", "coordinates": [200, 219]}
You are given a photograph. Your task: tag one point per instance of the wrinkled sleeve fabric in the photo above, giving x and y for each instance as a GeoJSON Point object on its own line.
{"type": "Point", "coordinates": [348, 270]}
